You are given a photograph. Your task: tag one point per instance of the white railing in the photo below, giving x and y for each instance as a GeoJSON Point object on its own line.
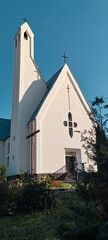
{"type": "Point", "coordinates": [60, 172]}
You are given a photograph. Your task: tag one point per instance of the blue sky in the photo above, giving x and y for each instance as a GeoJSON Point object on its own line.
{"type": "Point", "coordinates": [78, 27]}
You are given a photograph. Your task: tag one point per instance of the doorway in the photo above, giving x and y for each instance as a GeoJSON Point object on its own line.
{"type": "Point", "coordinates": [70, 163]}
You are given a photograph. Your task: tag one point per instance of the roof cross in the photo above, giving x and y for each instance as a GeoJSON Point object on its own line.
{"type": "Point", "coordinates": [65, 57]}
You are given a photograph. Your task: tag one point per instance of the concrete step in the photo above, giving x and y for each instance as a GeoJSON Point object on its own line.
{"type": "Point", "coordinates": [68, 177]}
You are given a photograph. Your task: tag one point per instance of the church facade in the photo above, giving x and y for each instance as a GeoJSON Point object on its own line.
{"type": "Point", "coordinates": [47, 117]}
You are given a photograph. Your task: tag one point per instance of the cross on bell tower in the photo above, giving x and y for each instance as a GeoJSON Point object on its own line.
{"type": "Point", "coordinates": [25, 19]}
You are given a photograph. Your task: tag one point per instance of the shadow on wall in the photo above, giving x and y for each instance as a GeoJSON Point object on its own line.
{"type": "Point", "coordinates": [27, 106]}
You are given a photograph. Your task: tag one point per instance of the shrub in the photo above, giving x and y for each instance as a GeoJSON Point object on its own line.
{"type": "Point", "coordinates": [103, 232]}
{"type": "Point", "coordinates": [3, 174]}
{"type": "Point", "coordinates": [5, 199]}
{"type": "Point", "coordinates": [32, 196]}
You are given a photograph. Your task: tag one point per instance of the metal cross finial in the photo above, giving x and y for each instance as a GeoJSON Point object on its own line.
{"type": "Point", "coordinates": [25, 19]}
{"type": "Point", "coordinates": [65, 57]}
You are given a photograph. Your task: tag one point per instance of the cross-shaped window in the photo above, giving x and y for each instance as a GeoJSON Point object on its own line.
{"type": "Point", "coordinates": [70, 124]}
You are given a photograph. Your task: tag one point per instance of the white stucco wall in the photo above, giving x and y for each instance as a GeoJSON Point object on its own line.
{"type": "Point", "coordinates": [54, 139]}
{"type": "Point", "coordinates": [1, 152]}
{"type": "Point", "coordinates": [28, 89]}
{"type": "Point", "coordinates": [5, 151]}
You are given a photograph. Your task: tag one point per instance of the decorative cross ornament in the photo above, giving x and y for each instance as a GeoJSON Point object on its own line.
{"type": "Point", "coordinates": [70, 124]}
{"type": "Point", "coordinates": [65, 57]}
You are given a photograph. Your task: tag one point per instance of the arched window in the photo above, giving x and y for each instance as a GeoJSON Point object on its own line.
{"type": "Point", "coordinates": [71, 132]}
{"type": "Point", "coordinates": [70, 116]}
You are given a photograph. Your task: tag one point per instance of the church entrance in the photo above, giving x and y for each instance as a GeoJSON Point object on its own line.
{"type": "Point", "coordinates": [70, 163]}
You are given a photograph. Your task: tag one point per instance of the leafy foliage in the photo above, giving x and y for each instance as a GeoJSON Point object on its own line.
{"type": "Point", "coordinates": [33, 196]}
{"type": "Point", "coordinates": [3, 173]}
{"type": "Point", "coordinates": [76, 218]}
{"type": "Point", "coordinates": [24, 195]}
{"type": "Point", "coordinates": [95, 141]}
{"type": "Point", "coordinates": [98, 107]}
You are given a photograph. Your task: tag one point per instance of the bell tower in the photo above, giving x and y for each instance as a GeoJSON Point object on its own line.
{"type": "Point", "coordinates": [28, 90]}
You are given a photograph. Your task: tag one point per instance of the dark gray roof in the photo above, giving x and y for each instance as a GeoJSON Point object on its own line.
{"type": "Point", "coordinates": [5, 125]}
{"type": "Point", "coordinates": [50, 84]}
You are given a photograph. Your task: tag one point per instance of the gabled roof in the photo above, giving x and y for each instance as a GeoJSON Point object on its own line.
{"type": "Point", "coordinates": [49, 84]}
{"type": "Point", "coordinates": [5, 125]}
{"type": "Point", "coordinates": [53, 79]}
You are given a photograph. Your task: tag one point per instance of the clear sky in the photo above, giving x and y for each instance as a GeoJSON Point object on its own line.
{"type": "Point", "coordinates": [78, 27]}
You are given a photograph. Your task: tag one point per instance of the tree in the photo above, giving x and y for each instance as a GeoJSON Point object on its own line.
{"type": "Point", "coordinates": [95, 140]}
{"type": "Point", "coordinates": [94, 186]}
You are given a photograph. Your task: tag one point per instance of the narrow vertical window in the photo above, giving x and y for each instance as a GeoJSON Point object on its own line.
{"type": "Point", "coordinates": [25, 36]}
{"type": "Point", "coordinates": [8, 148]}
{"type": "Point", "coordinates": [19, 38]}
{"type": "Point", "coordinates": [70, 116]}
{"type": "Point", "coordinates": [70, 124]}
{"type": "Point", "coordinates": [8, 161]}
{"type": "Point", "coordinates": [16, 43]}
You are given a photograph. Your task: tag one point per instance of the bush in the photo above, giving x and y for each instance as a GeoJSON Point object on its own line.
{"type": "Point", "coordinates": [24, 195]}
{"type": "Point", "coordinates": [30, 195]}
{"type": "Point", "coordinates": [3, 174]}
{"type": "Point", "coordinates": [103, 232]}
{"type": "Point", "coordinates": [33, 196]}
{"type": "Point", "coordinates": [78, 229]}
{"type": "Point", "coordinates": [5, 199]}
{"type": "Point", "coordinates": [77, 219]}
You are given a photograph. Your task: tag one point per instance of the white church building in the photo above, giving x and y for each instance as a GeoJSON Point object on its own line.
{"type": "Point", "coordinates": [44, 134]}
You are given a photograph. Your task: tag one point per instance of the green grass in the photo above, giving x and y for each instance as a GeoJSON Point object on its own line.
{"type": "Point", "coordinates": [28, 227]}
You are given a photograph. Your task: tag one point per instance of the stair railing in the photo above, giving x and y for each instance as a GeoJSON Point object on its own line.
{"type": "Point", "coordinates": [60, 172]}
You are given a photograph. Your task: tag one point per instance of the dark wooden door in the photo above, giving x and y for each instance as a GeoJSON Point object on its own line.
{"type": "Point", "coordinates": [70, 166]}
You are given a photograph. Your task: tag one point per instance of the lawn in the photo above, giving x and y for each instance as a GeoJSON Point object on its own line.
{"type": "Point", "coordinates": [29, 227]}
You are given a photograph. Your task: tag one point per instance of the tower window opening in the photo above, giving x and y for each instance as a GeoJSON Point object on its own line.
{"type": "Point", "coordinates": [19, 38]}
{"type": "Point", "coordinates": [16, 43]}
{"type": "Point", "coordinates": [25, 36]}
